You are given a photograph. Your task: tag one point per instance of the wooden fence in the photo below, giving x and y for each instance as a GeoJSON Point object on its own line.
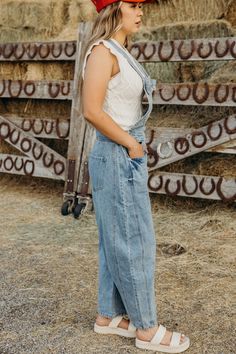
{"type": "Point", "coordinates": [165, 145]}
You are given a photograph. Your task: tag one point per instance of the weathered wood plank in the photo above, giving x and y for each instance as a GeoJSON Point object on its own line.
{"type": "Point", "coordinates": [201, 94]}
{"type": "Point", "coordinates": [40, 89]}
{"type": "Point", "coordinates": [84, 185]}
{"type": "Point", "coordinates": [223, 48]}
{"type": "Point", "coordinates": [178, 148]}
{"type": "Point", "coordinates": [21, 165]}
{"type": "Point", "coordinates": [43, 127]}
{"type": "Point", "coordinates": [38, 51]}
{"type": "Point", "coordinates": [28, 145]}
{"type": "Point", "coordinates": [77, 123]}
{"type": "Point", "coordinates": [185, 50]}
{"type": "Point", "coordinates": [162, 135]}
{"type": "Point", "coordinates": [195, 186]}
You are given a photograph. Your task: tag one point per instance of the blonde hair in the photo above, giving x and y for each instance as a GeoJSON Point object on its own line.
{"type": "Point", "coordinates": [107, 23]}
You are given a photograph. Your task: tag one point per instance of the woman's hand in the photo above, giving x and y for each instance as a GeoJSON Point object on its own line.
{"type": "Point", "coordinates": [136, 151]}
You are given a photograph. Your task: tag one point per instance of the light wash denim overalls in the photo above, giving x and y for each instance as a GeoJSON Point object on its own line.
{"type": "Point", "coordinates": [127, 245]}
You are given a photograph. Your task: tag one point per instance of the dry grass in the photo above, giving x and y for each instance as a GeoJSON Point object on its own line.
{"type": "Point", "coordinates": [49, 270]}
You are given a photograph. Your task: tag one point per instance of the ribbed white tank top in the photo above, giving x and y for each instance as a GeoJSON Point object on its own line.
{"type": "Point", "coordinates": [124, 92]}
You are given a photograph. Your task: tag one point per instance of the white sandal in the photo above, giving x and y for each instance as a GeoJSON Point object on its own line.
{"type": "Point", "coordinates": [174, 347]}
{"type": "Point", "coordinates": [113, 328]}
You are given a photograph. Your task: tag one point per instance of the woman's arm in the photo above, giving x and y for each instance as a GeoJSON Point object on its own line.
{"type": "Point", "coordinates": [99, 69]}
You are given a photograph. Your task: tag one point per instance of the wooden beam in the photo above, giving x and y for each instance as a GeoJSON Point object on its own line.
{"type": "Point", "coordinates": [195, 94]}
{"type": "Point", "coordinates": [195, 186]}
{"type": "Point", "coordinates": [178, 148]}
{"type": "Point", "coordinates": [38, 51]}
{"type": "Point", "coordinates": [42, 127]}
{"type": "Point", "coordinates": [35, 150]}
{"type": "Point", "coordinates": [77, 121]}
{"type": "Point", "coordinates": [21, 165]}
{"type": "Point", "coordinates": [40, 89]}
{"type": "Point", "coordinates": [202, 49]}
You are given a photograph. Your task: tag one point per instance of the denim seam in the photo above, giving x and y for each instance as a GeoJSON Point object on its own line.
{"type": "Point", "coordinates": [131, 272]}
{"type": "Point", "coordinates": [115, 157]}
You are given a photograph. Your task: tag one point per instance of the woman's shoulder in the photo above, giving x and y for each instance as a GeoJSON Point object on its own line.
{"type": "Point", "coordinates": [103, 46]}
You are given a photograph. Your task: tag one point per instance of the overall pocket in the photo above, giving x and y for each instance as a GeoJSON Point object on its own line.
{"type": "Point", "coordinates": [97, 171]}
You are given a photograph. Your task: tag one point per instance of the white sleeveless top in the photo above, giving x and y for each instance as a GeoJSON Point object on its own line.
{"type": "Point", "coordinates": [123, 100]}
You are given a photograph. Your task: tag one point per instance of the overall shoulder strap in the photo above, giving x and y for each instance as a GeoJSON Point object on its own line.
{"type": "Point", "coordinates": [136, 66]}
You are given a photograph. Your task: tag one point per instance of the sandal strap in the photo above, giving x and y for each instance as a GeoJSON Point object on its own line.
{"type": "Point", "coordinates": [159, 335]}
{"type": "Point", "coordinates": [115, 322]}
{"type": "Point", "coordinates": [175, 340]}
{"type": "Point", "coordinates": [131, 327]}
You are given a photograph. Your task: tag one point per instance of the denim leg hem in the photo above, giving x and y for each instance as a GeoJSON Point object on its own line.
{"type": "Point", "coordinates": [139, 325]}
{"type": "Point", "coordinates": [105, 314]}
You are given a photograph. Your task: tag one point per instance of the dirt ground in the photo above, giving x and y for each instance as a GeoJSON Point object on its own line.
{"type": "Point", "coordinates": [49, 268]}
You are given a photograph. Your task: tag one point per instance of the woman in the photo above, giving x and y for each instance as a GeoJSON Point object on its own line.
{"type": "Point", "coordinates": [113, 87]}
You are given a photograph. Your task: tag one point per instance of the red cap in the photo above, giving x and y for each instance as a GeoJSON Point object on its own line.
{"type": "Point", "coordinates": [100, 4]}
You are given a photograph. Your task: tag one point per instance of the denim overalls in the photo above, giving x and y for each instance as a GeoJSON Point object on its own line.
{"type": "Point", "coordinates": [127, 244]}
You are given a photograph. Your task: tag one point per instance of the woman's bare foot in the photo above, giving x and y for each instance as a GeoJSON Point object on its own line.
{"type": "Point", "coordinates": [104, 321]}
{"type": "Point", "coordinates": [148, 334]}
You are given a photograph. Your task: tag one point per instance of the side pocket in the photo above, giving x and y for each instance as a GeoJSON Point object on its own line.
{"type": "Point", "coordinates": [97, 168]}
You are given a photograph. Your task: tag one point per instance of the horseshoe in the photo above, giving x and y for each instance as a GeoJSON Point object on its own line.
{"type": "Point", "coordinates": [73, 49]}
{"type": "Point", "coordinates": [23, 125]}
{"type": "Point", "coordinates": [188, 55]}
{"type": "Point", "coordinates": [165, 156]}
{"type": "Point", "coordinates": [65, 93]}
{"type": "Point", "coordinates": [213, 185]}
{"type": "Point", "coordinates": [150, 55]}
{"type": "Point", "coordinates": [152, 137]}
{"type": "Point", "coordinates": [45, 55]}
{"type": "Point", "coordinates": [232, 49]}
{"type": "Point", "coordinates": [221, 194]}
{"type": "Point", "coordinates": [167, 58]}
{"type": "Point", "coordinates": [25, 168]}
{"type": "Point", "coordinates": [166, 99]}
{"type": "Point", "coordinates": [41, 128]}
{"type": "Point", "coordinates": [216, 94]}
{"type": "Point", "coordinates": [199, 50]}
{"type": "Point", "coordinates": [22, 145]}
{"type": "Point", "coordinates": [15, 164]}
{"type": "Point", "coordinates": [53, 50]}
{"type": "Point", "coordinates": [30, 54]}
{"type": "Point", "coordinates": [29, 83]}
{"type": "Point", "coordinates": [187, 95]}
{"type": "Point", "coordinates": [205, 96]}
{"type": "Point", "coordinates": [58, 163]}
{"type": "Point", "coordinates": [214, 138]}
{"type": "Point", "coordinates": [6, 135]}
{"type": "Point", "coordinates": [185, 187]}
{"type": "Point", "coordinates": [3, 87]}
{"type": "Point", "coordinates": [56, 92]}
{"type": "Point", "coordinates": [48, 164]}
{"type": "Point", "coordinates": [155, 189]}
{"type": "Point", "coordinates": [194, 135]}
{"type": "Point", "coordinates": [178, 187]}
{"type": "Point", "coordinates": [4, 52]}
{"type": "Point", "coordinates": [152, 153]}
{"type": "Point", "coordinates": [59, 134]}
{"type": "Point", "coordinates": [135, 45]}
{"type": "Point", "coordinates": [48, 131]}
{"type": "Point", "coordinates": [181, 142]}
{"type": "Point", "coordinates": [233, 94]}
{"type": "Point", "coordinates": [227, 129]}
{"type": "Point", "coordinates": [221, 55]}
{"type": "Point", "coordinates": [37, 157]}
{"type": "Point", "coordinates": [10, 90]}
{"type": "Point", "coordinates": [14, 141]}
{"type": "Point", "coordinates": [5, 165]}
{"type": "Point", "coordinates": [19, 56]}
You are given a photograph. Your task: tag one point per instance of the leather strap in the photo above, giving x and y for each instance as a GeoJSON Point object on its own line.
{"type": "Point", "coordinates": [115, 322]}
{"type": "Point", "coordinates": [175, 340]}
{"type": "Point", "coordinates": [159, 335]}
